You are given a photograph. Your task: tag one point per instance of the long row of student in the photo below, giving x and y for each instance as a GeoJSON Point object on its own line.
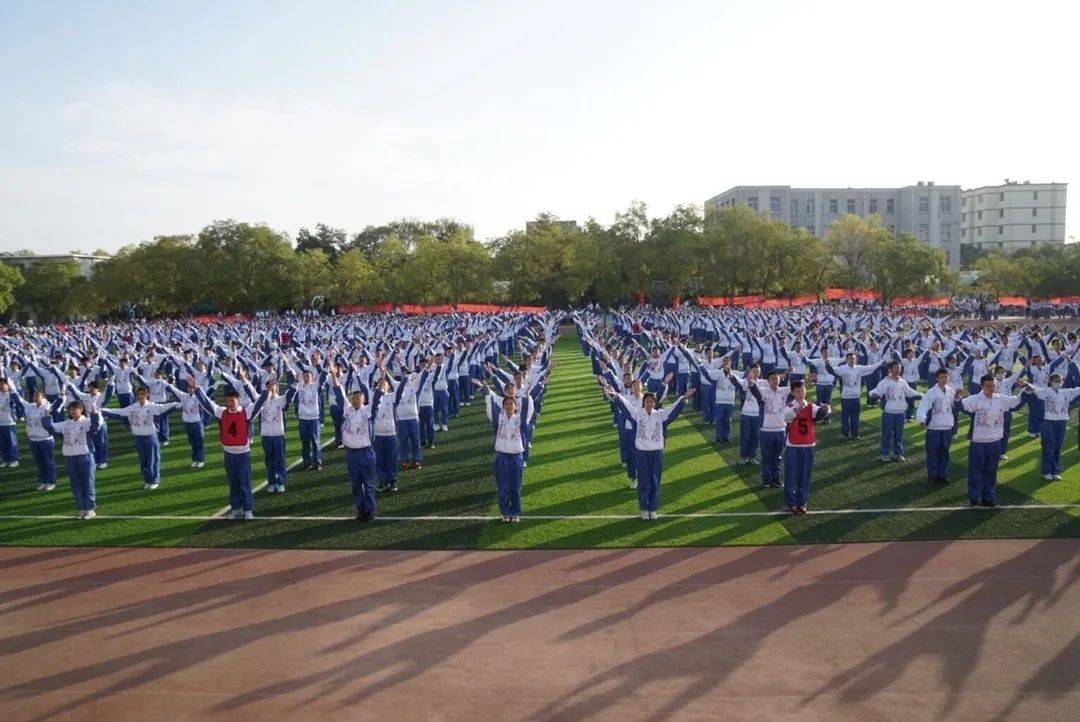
{"type": "Point", "coordinates": [762, 361]}
{"type": "Point", "coordinates": [388, 385]}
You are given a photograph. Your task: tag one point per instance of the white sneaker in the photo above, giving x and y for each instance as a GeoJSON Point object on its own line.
{"type": "Point", "coordinates": [165, 442]}
{"type": "Point", "coordinates": [50, 487]}
{"type": "Point", "coordinates": [506, 519]}
{"type": "Point", "coordinates": [515, 519]}
{"type": "Point", "coordinates": [633, 484]}
{"type": "Point", "coordinates": [1003, 457]}
{"type": "Point", "coordinates": [1032, 436]}
{"type": "Point", "coordinates": [645, 516]}
{"type": "Point", "coordinates": [153, 486]}
{"type": "Point", "coordinates": [193, 464]}
{"type": "Point", "coordinates": [200, 464]}
{"type": "Point", "coordinates": [1048, 477]}
{"type": "Point", "coordinates": [235, 514]}
{"type": "Point", "coordinates": [1057, 477]}
{"type": "Point", "coordinates": [653, 515]}
{"type": "Point", "coordinates": [103, 466]}
{"type": "Point", "coordinates": [248, 516]}
{"type": "Point", "coordinates": [81, 514]}
{"type": "Point", "coordinates": [89, 514]}
{"type": "Point", "coordinates": [145, 486]}
{"type": "Point", "coordinates": [13, 464]}
{"type": "Point", "coordinates": [41, 487]}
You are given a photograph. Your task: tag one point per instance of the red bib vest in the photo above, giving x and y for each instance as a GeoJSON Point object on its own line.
{"type": "Point", "coordinates": [233, 428]}
{"type": "Point", "coordinates": [800, 431]}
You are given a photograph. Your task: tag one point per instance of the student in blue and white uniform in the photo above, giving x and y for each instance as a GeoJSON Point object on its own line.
{"type": "Point", "coordinates": [77, 455]}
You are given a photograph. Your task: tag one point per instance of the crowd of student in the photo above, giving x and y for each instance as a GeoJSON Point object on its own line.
{"type": "Point", "coordinates": [388, 383]}
{"type": "Point", "coordinates": [762, 361]}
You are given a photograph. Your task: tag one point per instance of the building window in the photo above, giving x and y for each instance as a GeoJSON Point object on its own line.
{"type": "Point", "coordinates": [946, 232]}
{"type": "Point", "coordinates": [889, 204]}
{"type": "Point", "coordinates": [980, 199]}
{"type": "Point", "coordinates": [1001, 230]}
{"type": "Point", "coordinates": [980, 230]}
{"type": "Point", "coordinates": [1034, 228]}
{"type": "Point", "coordinates": [924, 232]}
{"type": "Point", "coordinates": [774, 205]}
{"type": "Point", "coordinates": [873, 205]}
{"type": "Point", "coordinates": [963, 217]}
{"type": "Point", "coordinates": [980, 215]}
{"type": "Point", "coordinates": [794, 208]}
{"type": "Point", "coordinates": [945, 204]}
{"type": "Point", "coordinates": [924, 204]}
{"type": "Point", "coordinates": [1001, 212]}
{"type": "Point", "coordinates": [810, 207]}
{"type": "Point", "coordinates": [833, 206]}
{"type": "Point", "coordinates": [1035, 195]}
{"type": "Point", "coordinates": [752, 202]}
{"type": "Point", "coordinates": [850, 205]}
{"type": "Point", "coordinates": [1034, 212]}
{"type": "Point", "coordinates": [1001, 197]}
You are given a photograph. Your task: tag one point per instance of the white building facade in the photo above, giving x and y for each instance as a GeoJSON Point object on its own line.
{"type": "Point", "coordinates": [928, 211]}
{"type": "Point", "coordinates": [1013, 215]}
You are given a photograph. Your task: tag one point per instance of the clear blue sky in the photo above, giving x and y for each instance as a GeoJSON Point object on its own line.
{"type": "Point", "coordinates": [125, 120]}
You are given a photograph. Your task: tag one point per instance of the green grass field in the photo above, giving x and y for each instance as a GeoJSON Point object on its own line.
{"type": "Point", "coordinates": [575, 492]}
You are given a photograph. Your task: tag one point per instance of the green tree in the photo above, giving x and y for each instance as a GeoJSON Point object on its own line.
{"type": "Point", "coordinates": [247, 266]}
{"type": "Point", "coordinates": [906, 267]}
{"type": "Point", "coordinates": [10, 280]}
{"type": "Point", "coordinates": [354, 280]}
{"type": "Point", "coordinates": [329, 240]}
{"type": "Point", "coordinates": [52, 291]}
{"type": "Point", "coordinates": [851, 239]}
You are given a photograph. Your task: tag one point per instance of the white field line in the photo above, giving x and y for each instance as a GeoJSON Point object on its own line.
{"type": "Point", "coordinates": [574, 517]}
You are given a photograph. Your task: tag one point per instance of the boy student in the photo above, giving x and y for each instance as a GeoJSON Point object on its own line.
{"type": "Point", "coordinates": [9, 410]}
{"type": "Point", "coordinates": [143, 416]}
{"type": "Point", "coordinates": [93, 402]}
{"type": "Point", "coordinates": [851, 380]}
{"type": "Point", "coordinates": [407, 415]}
{"type": "Point", "coordinates": [40, 439]}
{"type": "Point", "coordinates": [509, 422]}
{"type": "Point", "coordinates": [77, 454]}
{"type": "Point", "coordinates": [1056, 401]}
{"type": "Point", "coordinates": [984, 452]}
{"type": "Point", "coordinates": [234, 431]}
{"type": "Point", "coordinates": [772, 400]}
{"type": "Point", "coordinates": [800, 416]}
{"type": "Point", "coordinates": [937, 413]}
{"type": "Point", "coordinates": [384, 432]}
{"type": "Point", "coordinates": [191, 413]}
{"type": "Point", "coordinates": [272, 434]}
{"type": "Point", "coordinates": [359, 456]}
{"type": "Point", "coordinates": [309, 412]}
{"type": "Point", "coordinates": [894, 392]}
{"type": "Point", "coordinates": [649, 439]}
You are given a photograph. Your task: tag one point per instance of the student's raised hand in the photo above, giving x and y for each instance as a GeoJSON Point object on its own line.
{"type": "Point", "coordinates": [690, 392]}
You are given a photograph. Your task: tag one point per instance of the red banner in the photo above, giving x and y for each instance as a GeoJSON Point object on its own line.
{"type": "Point", "coordinates": [437, 309]}
{"type": "Point", "coordinates": [850, 294]}
{"type": "Point", "coordinates": [411, 309]}
{"type": "Point", "coordinates": [921, 301]}
{"type": "Point", "coordinates": [1065, 299]}
{"type": "Point", "coordinates": [1012, 301]}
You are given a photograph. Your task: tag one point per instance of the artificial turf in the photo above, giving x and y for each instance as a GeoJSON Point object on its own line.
{"type": "Point", "coordinates": [574, 471]}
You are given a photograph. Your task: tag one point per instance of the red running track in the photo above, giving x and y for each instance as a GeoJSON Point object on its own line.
{"type": "Point", "coordinates": [905, 631]}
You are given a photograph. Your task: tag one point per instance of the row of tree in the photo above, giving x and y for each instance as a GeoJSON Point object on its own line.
{"type": "Point", "coordinates": [232, 266]}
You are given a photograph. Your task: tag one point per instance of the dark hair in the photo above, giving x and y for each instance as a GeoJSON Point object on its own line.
{"type": "Point", "coordinates": [941, 372]}
{"type": "Point", "coordinates": [985, 378]}
{"type": "Point", "coordinates": [796, 384]}
{"type": "Point", "coordinates": [648, 395]}
{"type": "Point", "coordinates": [76, 405]}
{"type": "Point", "coordinates": [772, 372]}
{"type": "Point", "coordinates": [143, 389]}
{"type": "Point", "coordinates": [232, 394]}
